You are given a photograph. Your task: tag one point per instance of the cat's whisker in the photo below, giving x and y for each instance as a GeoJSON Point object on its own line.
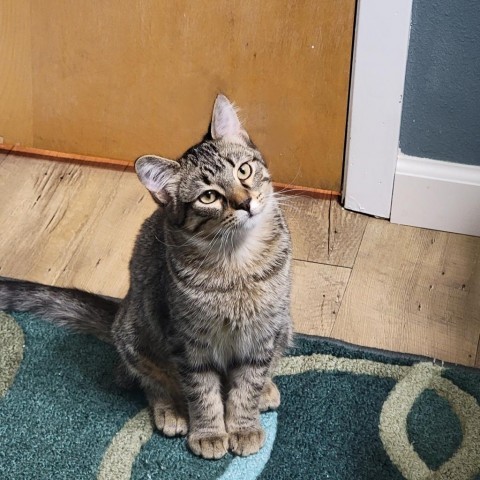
{"type": "Point", "coordinates": [173, 245]}
{"type": "Point", "coordinates": [224, 247]}
{"type": "Point", "coordinates": [164, 243]}
{"type": "Point", "coordinates": [285, 191]}
{"type": "Point", "coordinates": [283, 201]}
{"type": "Point", "coordinates": [210, 246]}
{"type": "Point", "coordinates": [188, 241]}
{"type": "Point", "coordinates": [291, 183]}
{"type": "Point", "coordinates": [223, 241]}
{"type": "Point", "coordinates": [232, 236]}
{"type": "Point", "coordinates": [227, 237]}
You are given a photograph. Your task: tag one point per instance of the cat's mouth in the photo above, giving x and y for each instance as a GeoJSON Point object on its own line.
{"type": "Point", "coordinates": [247, 220]}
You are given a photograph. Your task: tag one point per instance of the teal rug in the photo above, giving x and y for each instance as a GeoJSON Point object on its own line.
{"type": "Point", "coordinates": [347, 414]}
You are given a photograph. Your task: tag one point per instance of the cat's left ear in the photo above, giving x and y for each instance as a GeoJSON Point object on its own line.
{"type": "Point", "coordinates": [225, 123]}
{"type": "Point", "coordinates": [156, 173]}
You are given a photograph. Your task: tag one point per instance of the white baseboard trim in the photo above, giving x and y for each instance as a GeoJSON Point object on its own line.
{"type": "Point", "coordinates": [437, 195]}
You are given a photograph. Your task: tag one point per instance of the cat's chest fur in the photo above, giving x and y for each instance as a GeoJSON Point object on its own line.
{"type": "Point", "coordinates": [225, 334]}
{"type": "Point", "coordinates": [236, 293]}
{"type": "Point", "coordinates": [231, 299]}
{"type": "Point", "coordinates": [236, 306]}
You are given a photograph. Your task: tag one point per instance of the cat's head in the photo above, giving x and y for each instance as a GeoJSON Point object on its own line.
{"type": "Point", "coordinates": [218, 185]}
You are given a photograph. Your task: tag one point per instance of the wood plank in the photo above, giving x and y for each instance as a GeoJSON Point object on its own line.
{"type": "Point", "coordinates": [316, 297]}
{"type": "Point", "coordinates": [54, 212]}
{"type": "Point", "coordinates": [323, 231]}
{"type": "Point", "coordinates": [346, 234]}
{"type": "Point", "coordinates": [414, 290]}
{"type": "Point", "coordinates": [3, 156]}
{"type": "Point", "coordinates": [100, 262]}
{"type": "Point", "coordinates": [47, 207]}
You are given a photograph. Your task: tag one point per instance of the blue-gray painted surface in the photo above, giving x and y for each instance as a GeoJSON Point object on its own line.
{"type": "Point", "coordinates": [441, 110]}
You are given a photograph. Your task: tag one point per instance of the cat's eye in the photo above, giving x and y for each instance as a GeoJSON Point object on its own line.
{"type": "Point", "coordinates": [208, 197]}
{"type": "Point", "coordinates": [244, 171]}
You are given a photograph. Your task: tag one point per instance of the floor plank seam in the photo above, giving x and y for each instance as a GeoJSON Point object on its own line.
{"type": "Point", "coordinates": [332, 328]}
{"type": "Point", "coordinates": [321, 263]}
{"type": "Point", "coordinates": [360, 244]}
{"type": "Point", "coordinates": [349, 279]}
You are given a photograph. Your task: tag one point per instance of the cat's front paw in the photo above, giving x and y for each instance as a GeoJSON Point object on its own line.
{"type": "Point", "coordinates": [170, 422]}
{"type": "Point", "coordinates": [208, 445]}
{"type": "Point", "coordinates": [246, 441]}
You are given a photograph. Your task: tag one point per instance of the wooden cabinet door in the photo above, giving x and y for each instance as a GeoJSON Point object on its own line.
{"type": "Point", "coordinates": [122, 78]}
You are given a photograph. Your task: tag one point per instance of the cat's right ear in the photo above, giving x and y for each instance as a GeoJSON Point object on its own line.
{"type": "Point", "coordinates": [156, 173]}
{"type": "Point", "coordinates": [225, 122]}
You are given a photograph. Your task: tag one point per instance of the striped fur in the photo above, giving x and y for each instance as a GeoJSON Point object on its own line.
{"type": "Point", "coordinates": [207, 313]}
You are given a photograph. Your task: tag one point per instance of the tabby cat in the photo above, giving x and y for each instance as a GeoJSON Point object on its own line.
{"type": "Point", "coordinates": [207, 316]}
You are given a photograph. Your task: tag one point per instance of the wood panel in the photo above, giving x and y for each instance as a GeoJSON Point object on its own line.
{"type": "Point", "coordinates": [3, 156]}
{"type": "Point", "coordinates": [16, 120]}
{"type": "Point", "coordinates": [127, 78]}
{"type": "Point", "coordinates": [414, 290]}
{"type": "Point", "coordinates": [323, 231]}
{"type": "Point", "coordinates": [101, 259]}
{"type": "Point", "coordinates": [69, 225]}
{"type": "Point", "coordinates": [316, 297]}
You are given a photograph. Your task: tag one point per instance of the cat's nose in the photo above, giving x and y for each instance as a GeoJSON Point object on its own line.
{"type": "Point", "coordinates": [245, 205]}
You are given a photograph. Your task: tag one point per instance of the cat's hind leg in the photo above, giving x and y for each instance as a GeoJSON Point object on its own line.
{"type": "Point", "coordinates": [270, 397]}
{"type": "Point", "coordinates": [164, 397]}
{"type": "Point", "coordinates": [168, 406]}
{"type": "Point", "coordinates": [124, 378]}
{"type": "Point", "coordinates": [169, 417]}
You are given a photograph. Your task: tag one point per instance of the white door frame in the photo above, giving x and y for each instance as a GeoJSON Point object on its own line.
{"type": "Point", "coordinates": [382, 33]}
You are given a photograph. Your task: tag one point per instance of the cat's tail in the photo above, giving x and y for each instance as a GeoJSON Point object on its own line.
{"type": "Point", "coordinates": [80, 311]}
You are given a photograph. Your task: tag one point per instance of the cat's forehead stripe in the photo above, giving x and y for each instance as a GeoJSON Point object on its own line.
{"type": "Point", "coordinates": [229, 160]}
{"type": "Point", "coordinates": [205, 156]}
{"type": "Point", "coordinates": [208, 158]}
{"type": "Point", "coordinates": [207, 169]}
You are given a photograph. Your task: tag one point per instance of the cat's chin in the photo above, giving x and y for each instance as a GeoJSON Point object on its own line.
{"type": "Point", "coordinates": [249, 222]}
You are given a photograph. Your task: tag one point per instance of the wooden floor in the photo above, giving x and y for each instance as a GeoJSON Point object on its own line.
{"type": "Point", "coordinates": [356, 278]}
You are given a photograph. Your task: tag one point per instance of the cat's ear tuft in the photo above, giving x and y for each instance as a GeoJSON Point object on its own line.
{"type": "Point", "coordinates": [156, 173]}
{"type": "Point", "coordinates": [225, 122]}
